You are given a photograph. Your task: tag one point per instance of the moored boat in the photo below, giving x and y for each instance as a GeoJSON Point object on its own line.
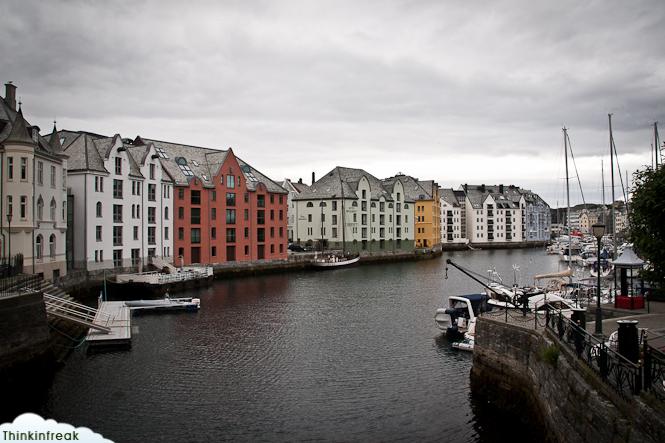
{"type": "Point", "coordinates": [334, 261]}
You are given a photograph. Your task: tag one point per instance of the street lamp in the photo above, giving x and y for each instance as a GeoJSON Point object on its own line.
{"type": "Point", "coordinates": [598, 231]}
{"type": "Point", "coordinates": [322, 205]}
{"type": "Point", "coordinates": [9, 258]}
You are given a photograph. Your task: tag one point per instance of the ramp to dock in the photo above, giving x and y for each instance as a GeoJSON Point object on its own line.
{"type": "Point", "coordinates": [161, 264]}
{"type": "Point", "coordinates": [77, 313]}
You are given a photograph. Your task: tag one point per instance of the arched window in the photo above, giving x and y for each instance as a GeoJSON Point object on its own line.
{"type": "Point", "coordinates": [354, 204]}
{"type": "Point", "coordinates": [390, 205]}
{"type": "Point", "coordinates": [166, 213]}
{"type": "Point", "coordinates": [38, 246]}
{"type": "Point", "coordinates": [53, 209]}
{"type": "Point", "coordinates": [40, 208]}
{"type": "Point", "coordinates": [310, 204]}
{"type": "Point", "coordinates": [51, 245]}
{"type": "Point", "coordinates": [99, 209]}
{"type": "Point", "coordinates": [406, 206]}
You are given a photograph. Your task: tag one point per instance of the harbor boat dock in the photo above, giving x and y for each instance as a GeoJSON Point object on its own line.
{"type": "Point", "coordinates": [117, 317]}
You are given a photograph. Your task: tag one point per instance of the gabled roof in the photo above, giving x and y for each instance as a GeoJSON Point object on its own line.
{"type": "Point", "coordinates": [413, 188]}
{"type": "Point", "coordinates": [204, 163]}
{"type": "Point", "coordinates": [19, 132]}
{"type": "Point", "coordinates": [448, 195]}
{"type": "Point", "coordinates": [343, 182]}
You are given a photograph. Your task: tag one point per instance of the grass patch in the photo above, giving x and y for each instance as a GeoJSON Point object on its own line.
{"type": "Point", "coordinates": [550, 355]}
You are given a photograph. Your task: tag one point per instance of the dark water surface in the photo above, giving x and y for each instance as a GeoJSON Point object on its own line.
{"type": "Point", "coordinates": [344, 355]}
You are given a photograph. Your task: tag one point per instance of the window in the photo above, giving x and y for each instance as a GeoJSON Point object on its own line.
{"type": "Point", "coordinates": [246, 214]}
{"type": "Point", "coordinates": [231, 216]}
{"type": "Point", "coordinates": [117, 257]}
{"type": "Point", "coordinates": [261, 217]}
{"type": "Point", "coordinates": [246, 197]}
{"type": "Point", "coordinates": [230, 181]}
{"type": "Point", "coordinates": [213, 195]}
{"type": "Point", "coordinates": [10, 168]}
{"type": "Point", "coordinates": [261, 201]}
{"type": "Point", "coordinates": [161, 153]}
{"type": "Point", "coordinates": [261, 234]}
{"type": "Point", "coordinates": [117, 213]}
{"type": "Point", "coordinates": [196, 235]}
{"type": "Point", "coordinates": [98, 209]}
{"type": "Point", "coordinates": [334, 219]}
{"type": "Point", "coordinates": [281, 231]}
{"type": "Point", "coordinates": [230, 235]}
{"type": "Point", "coordinates": [230, 199]}
{"type": "Point", "coordinates": [213, 233]}
{"type": "Point", "coordinates": [272, 198]}
{"type": "Point", "coordinates": [51, 246]}
{"type": "Point", "coordinates": [166, 213]}
{"type": "Point", "coordinates": [152, 214]}
{"type": "Point", "coordinates": [53, 176]}
{"type": "Point", "coordinates": [24, 168]}
{"type": "Point", "coordinates": [281, 214]}
{"type": "Point", "coordinates": [10, 209]}
{"type": "Point", "coordinates": [64, 178]}
{"type": "Point", "coordinates": [152, 171]}
{"type": "Point", "coordinates": [152, 192]}
{"type": "Point", "coordinates": [40, 208]}
{"type": "Point", "coordinates": [136, 232]}
{"type": "Point", "coordinates": [54, 209]}
{"type": "Point", "coordinates": [166, 233]}
{"type": "Point", "coordinates": [181, 212]}
{"type": "Point", "coordinates": [181, 193]}
{"type": "Point", "coordinates": [272, 232]}
{"type": "Point", "coordinates": [272, 215]}
{"type": "Point", "coordinates": [310, 204]}
{"type": "Point", "coordinates": [117, 188]}
{"type": "Point", "coordinates": [195, 197]}
{"type": "Point", "coordinates": [118, 166]}
{"type": "Point", "coordinates": [40, 173]}
{"type": "Point", "coordinates": [213, 213]}
{"type": "Point", "coordinates": [334, 205]}
{"type": "Point", "coordinates": [117, 236]}
{"type": "Point", "coordinates": [309, 217]}
{"type": "Point", "coordinates": [24, 206]}
{"type": "Point", "coordinates": [151, 235]}
{"type": "Point", "coordinates": [195, 216]}
{"type": "Point", "coordinates": [181, 234]}
{"type": "Point", "coordinates": [213, 251]}
{"type": "Point", "coordinates": [39, 247]}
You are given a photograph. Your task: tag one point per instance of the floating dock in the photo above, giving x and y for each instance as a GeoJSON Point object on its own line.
{"type": "Point", "coordinates": [116, 316]}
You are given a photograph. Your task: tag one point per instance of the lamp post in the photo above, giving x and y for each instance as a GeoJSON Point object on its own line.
{"type": "Point", "coordinates": [9, 258]}
{"type": "Point", "coordinates": [598, 232]}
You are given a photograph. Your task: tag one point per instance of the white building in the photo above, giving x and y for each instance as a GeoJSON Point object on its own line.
{"type": "Point", "coordinates": [453, 217]}
{"type": "Point", "coordinates": [294, 190]}
{"type": "Point", "coordinates": [537, 218]}
{"type": "Point", "coordinates": [123, 202]}
{"type": "Point", "coordinates": [493, 214]}
{"type": "Point", "coordinates": [33, 204]}
{"type": "Point", "coordinates": [353, 210]}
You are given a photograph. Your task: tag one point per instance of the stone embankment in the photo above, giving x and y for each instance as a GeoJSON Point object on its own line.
{"type": "Point", "coordinates": [520, 365]}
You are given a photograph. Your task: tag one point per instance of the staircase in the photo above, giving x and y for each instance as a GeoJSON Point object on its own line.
{"type": "Point", "coordinates": [161, 264]}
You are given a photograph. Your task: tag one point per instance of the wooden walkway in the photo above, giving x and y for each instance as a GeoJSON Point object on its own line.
{"type": "Point", "coordinates": [117, 316]}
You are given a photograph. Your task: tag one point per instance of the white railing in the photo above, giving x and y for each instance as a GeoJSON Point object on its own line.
{"type": "Point", "coordinates": [76, 312]}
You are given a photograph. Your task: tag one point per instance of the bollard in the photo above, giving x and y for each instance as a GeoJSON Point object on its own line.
{"type": "Point", "coordinates": [579, 317]}
{"type": "Point", "coordinates": [629, 345]}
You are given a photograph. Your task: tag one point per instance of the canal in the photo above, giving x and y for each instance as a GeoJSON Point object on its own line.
{"type": "Point", "coordinates": [343, 355]}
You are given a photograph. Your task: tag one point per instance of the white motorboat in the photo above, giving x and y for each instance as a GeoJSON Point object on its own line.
{"type": "Point", "coordinates": [334, 261]}
{"type": "Point", "coordinates": [460, 316]}
{"type": "Point", "coordinates": [166, 303]}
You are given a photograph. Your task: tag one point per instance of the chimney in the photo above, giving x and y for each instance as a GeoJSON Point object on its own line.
{"type": "Point", "coordinates": [465, 187]}
{"type": "Point", "coordinates": [300, 181]}
{"type": "Point", "coordinates": [500, 189]}
{"type": "Point", "coordinates": [313, 176]}
{"type": "Point", "coordinates": [482, 187]}
{"type": "Point", "coordinates": [10, 95]}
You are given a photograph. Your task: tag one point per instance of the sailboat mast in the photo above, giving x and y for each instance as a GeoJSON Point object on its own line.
{"type": "Point", "coordinates": [570, 238]}
{"type": "Point", "coordinates": [612, 218]}
{"type": "Point", "coordinates": [602, 177]}
{"type": "Point", "coordinates": [656, 142]}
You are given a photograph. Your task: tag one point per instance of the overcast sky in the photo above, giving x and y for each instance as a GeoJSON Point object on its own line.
{"type": "Point", "coordinates": [458, 92]}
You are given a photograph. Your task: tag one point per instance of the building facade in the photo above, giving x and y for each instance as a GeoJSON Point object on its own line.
{"type": "Point", "coordinates": [425, 195]}
{"type": "Point", "coordinates": [294, 189]}
{"type": "Point", "coordinates": [33, 204]}
{"type": "Point", "coordinates": [453, 217]}
{"type": "Point", "coordinates": [350, 209]}
{"type": "Point", "coordinates": [225, 210]}
{"type": "Point", "coordinates": [123, 202]}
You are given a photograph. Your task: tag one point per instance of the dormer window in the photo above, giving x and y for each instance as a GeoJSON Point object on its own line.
{"type": "Point", "coordinates": [118, 166]}
{"type": "Point", "coordinates": [182, 164]}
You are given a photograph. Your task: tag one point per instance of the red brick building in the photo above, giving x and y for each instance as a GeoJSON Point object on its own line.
{"type": "Point", "coordinates": [224, 210]}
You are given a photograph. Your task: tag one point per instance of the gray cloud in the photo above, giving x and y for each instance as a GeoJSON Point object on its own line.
{"type": "Point", "coordinates": [412, 86]}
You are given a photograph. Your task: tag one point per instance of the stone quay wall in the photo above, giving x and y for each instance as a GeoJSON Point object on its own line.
{"type": "Point", "coordinates": [24, 333]}
{"type": "Point", "coordinates": [573, 404]}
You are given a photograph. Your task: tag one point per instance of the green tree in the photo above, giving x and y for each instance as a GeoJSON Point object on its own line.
{"type": "Point", "coordinates": [647, 221]}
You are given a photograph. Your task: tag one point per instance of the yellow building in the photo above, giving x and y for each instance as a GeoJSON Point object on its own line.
{"type": "Point", "coordinates": [428, 209]}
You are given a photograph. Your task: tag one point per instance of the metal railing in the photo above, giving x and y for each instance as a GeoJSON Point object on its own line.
{"type": "Point", "coordinates": [624, 376]}
{"type": "Point", "coordinates": [77, 313]}
{"type": "Point", "coordinates": [619, 373]}
{"type": "Point", "coordinates": [19, 284]}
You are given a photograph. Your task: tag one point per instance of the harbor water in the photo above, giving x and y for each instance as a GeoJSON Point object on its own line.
{"type": "Point", "coordinates": [342, 355]}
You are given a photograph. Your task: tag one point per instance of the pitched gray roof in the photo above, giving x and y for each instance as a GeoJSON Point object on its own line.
{"type": "Point", "coordinates": [344, 182]}
{"type": "Point", "coordinates": [204, 164]}
{"type": "Point", "coordinates": [448, 195]}
{"type": "Point", "coordinates": [413, 188]}
{"type": "Point", "coordinates": [84, 151]}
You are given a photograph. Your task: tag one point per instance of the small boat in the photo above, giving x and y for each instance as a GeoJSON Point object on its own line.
{"type": "Point", "coordinates": [460, 316]}
{"type": "Point", "coordinates": [165, 304]}
{"type": "Point", "coordinates": [334, 261]}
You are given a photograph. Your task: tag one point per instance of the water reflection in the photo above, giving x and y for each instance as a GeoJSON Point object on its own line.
{"type": "Point", "coordinates": [348, 355]}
